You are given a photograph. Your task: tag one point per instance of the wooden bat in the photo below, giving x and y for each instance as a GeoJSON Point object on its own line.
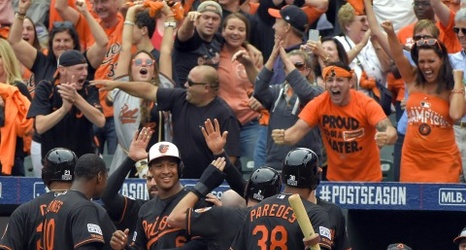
{"type": "Point", "coordinates": [310, 237]}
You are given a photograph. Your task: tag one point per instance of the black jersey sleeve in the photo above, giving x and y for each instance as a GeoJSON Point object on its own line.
{"type": "Point", "coordinates": [114, 202]}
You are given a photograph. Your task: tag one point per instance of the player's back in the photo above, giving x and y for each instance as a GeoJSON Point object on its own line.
{"type": "Point", "coordinates": [271, 224]}
{"type": "Point", "coordinates": [25, 224]}
{"type": "Point", "coordinates": [72, 221]}
{"type": "Point", "coordinates": [337, 225]}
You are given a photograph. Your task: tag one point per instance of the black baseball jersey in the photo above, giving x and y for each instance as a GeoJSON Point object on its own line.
{"type": "Point", "coordinates": [73, 221]}
{"type": "Point", "coordinates": [271, 224]}
{"type": "Point", "coordinates": [337, 225]}
{"type": "Point", "coordinates": [210, 223]}
{"type": "Point", "coordinates": [25, 224]}
{"type": "Point", "coordinates": [152, 230]}
{"type": "Point", "coordinates": [129, 213]}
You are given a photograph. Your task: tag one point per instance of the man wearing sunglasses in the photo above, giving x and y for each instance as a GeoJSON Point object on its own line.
{"type": "Point", "coordinates": [457, 61]}
{"type": "Point", "coordinates": [189, 108]}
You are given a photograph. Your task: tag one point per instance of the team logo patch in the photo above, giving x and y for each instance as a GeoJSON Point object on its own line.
{"type": "Point", "coordinates": [424, 129]}
{"type": "Point", "coordinates": [325, 232]}
{"type": "Point", "coordinates": [163, 148]}
{"type": "Point", "coordinates": [94, 228]}
{"type": "Point", "coordinates": [202, 210]}
{"type": "Point", "coordinates": [292, 181]}
{"type": "Point", "coordinates": [258, 196]}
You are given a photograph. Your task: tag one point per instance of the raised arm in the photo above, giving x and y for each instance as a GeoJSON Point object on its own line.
{"type": "Point", "coordinates": [25, 52]}
{"type": "Point", "coordinates": [376, 30]}
{"type": "Point", "coordinates": [186, 30]}
{"type": "Point", "coordinates": [144, 90]}
{"type": "Point", "coordinates": [244, 58]}
{"type": "Point", "coordinates": [166, 47]}
{"type": "Point", "coordinates": [114, 201]}
{"type": "Point", "coordinates": [67, 12]}
{"type": "Point", "coordinates": [96, 53]}
{"type": "Point", "coordinates": [292, 135]}
{"type": "Point", "coordinates": [211, 178]}
{"type": "Point", "coordinates": [216, 140]}
{"type": "Point", "coordinates": [124, 58]}
{"type": "Point", "coordinates": [442, 12]}
{"type": "Point", "coordinates": [407, 71]}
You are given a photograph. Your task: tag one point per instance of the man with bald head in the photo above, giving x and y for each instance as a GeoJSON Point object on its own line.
{"type": "Point", "coordinates": [189, 108]}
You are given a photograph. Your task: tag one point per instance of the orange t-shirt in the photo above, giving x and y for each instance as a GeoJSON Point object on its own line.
{"type": "Point", "coordinates": [85, 36]}
{"type": "Point", "coordinates": [235, 87]}
{"type": "Point", "coordinates": [348, 134]}
{"type": "Point", "coordinates": [446, 36]}
{"type": "Point", "coordinates": [107, 68]}
{"type": "Point", "coordinates": [430, 152]}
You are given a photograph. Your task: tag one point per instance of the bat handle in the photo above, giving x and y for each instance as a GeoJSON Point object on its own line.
{"type": "Point", "coordinates": [312, 242]}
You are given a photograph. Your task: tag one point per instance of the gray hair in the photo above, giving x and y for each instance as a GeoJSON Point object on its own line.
{"type": "Point", "coordinates": [460, 15]}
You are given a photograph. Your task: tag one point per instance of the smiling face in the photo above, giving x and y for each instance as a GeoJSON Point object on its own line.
{"type": "Point", "coordinates": [280, 27]}
{"type": "Point", "coordinates": [106, 9]}
{"type": "Point", "coordinates": [429, 64]}
{"type": "Point", "coordinates": [142, 68]}
{"type": "Point", "coordinates": [330, 48]}
{"type": "Point", "coordinates": [234, 32]}
{"type": "Point", "coordinates": [357, 28]}
{"type": "Point", "coordinates": [151, 185]}
{"type": "Point", "coordinates": [164, 170]}
{"type": "Point", "coordinates": [61, 42]}
{"type": "Point", "coordinates": [339, 89]}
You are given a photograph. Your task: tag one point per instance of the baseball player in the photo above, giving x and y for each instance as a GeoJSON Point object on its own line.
{"type": "Point", "coordinates": [72, 220]}
{"type": "Point", "coordinates": [152, 230]}
{"type": "Point", "coordinates": [208, 222]}
{"type": "Point", "coordinates": [271, 224]}
{"type": "Point", "coordinates": [336, 218]}
{"type": "Point", "coordinates": [25, 223]}
{"type": "Point", "coordinates": [121, 209]}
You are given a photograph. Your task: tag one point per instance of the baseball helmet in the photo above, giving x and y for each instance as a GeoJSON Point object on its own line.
{"type": "Point", "coordinates": [301, 169]}
{"type": "Point", "coordinates": [58, 165]}
{"type": "Point", "coordinates": [263, 183]}
{"type": "Point", "coordinates": [165, 149]}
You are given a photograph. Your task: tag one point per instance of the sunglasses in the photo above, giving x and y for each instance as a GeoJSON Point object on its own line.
{"type": "Point", "coordinates": [430, 42]}
{"type": "Point", "coordinates": [421, 4]}
{"type": "Point", "coordinates": [299, 65]}
{"type": "Point", "coordinates": [457, 30]}
{"type": "Point", "coordinates": [419, 37]}
{"type": "Point", "coordinates": [140, 61]}
{"type": "Point", "coordinates": [191, 83]}
{"type": "Point", "coordinates": [65, 24]}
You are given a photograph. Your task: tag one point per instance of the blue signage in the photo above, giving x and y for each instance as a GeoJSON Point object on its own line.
{"type": "Point", "coordinates": [348, 195]}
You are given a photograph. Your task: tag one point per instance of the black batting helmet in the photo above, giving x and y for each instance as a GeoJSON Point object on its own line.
{"type": "Point", "coordinates": [263, 183]}
{"type": "Point", "coordinates": [301, 169]}
{"type": "Point", "coordinates": [58, 165]}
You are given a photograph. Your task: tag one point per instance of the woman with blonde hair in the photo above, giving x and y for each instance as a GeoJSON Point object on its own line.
{"type": "Point", "coordinates": [14, 104]}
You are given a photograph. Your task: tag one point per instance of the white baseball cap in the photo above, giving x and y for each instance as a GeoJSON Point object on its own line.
{"type": "Point", "coordinates": [163, 149]}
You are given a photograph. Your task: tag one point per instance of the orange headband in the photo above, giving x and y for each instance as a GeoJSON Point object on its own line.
{"type": "Point", "coordinates": [336, 71]}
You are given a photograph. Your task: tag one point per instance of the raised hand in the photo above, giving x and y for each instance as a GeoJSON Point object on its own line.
{"type": "Point", "coordinates": [387, 26]}
{"type": "Point", "coordinates": [137, 149]}
{"type": "Point", "coordinates": [23, 6]}
{"type": "Point", "coordinates": [243, 57]}
{"type": "Point", "coordinates": [215, 141]}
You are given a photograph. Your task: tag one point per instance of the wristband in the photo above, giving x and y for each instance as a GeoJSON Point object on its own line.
{"type": "Point", "coordinates": [20, 16]}
{"type": "Point", "coordinates": [458, 91]}
{"type": "Point", "coordinates": [169, 24]}
{"type": "Point", "coordinates": [128, 23]}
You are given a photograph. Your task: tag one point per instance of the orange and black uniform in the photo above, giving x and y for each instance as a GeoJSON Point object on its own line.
{"type": "Point", "coordinates": [152, 230]}
{"type": "Point", "coordinates": [73, 221]}
{"type": "Point", "coordinates": [25, 224]}
{"type": "Point", "coordinates": [64, 133]}
{"type": "Point", "coordinates": [272, 224]}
